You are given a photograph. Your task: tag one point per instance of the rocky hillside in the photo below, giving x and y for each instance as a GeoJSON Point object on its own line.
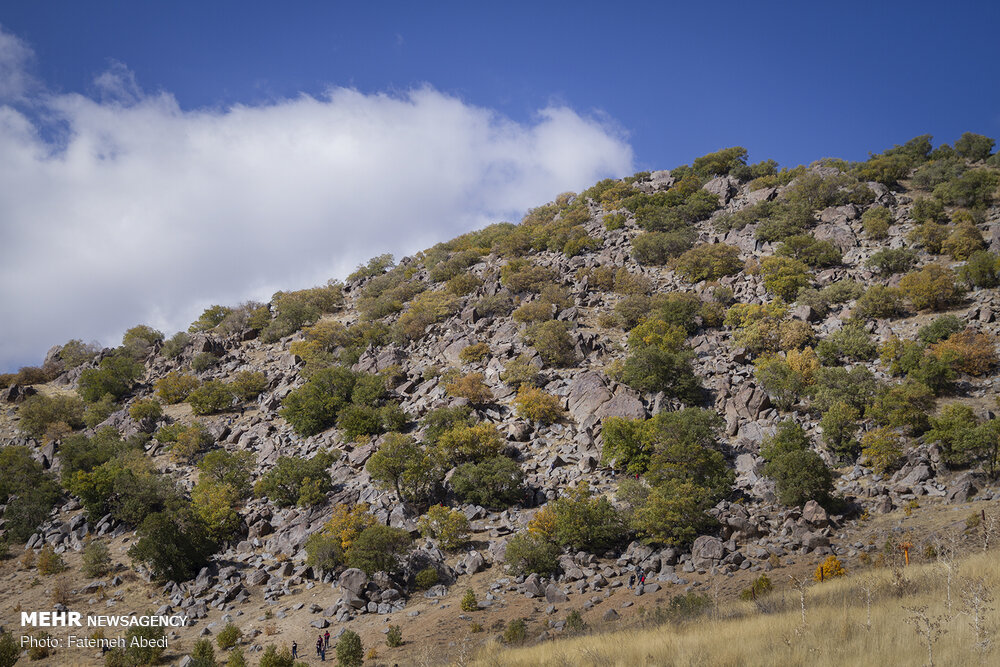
{"type": "Point", "coordinates": [713, 370]}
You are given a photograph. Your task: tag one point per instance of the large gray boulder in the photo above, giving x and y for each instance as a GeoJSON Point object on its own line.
{"type": "Point", "coordinates": [353, 580]}
{"type": "Point", "coordinates": [707, 551]}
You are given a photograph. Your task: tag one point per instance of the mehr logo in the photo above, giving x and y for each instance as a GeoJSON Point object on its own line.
{"type": "Point", "coordinates": [50, 619]}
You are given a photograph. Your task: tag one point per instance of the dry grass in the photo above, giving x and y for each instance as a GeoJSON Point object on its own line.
{"type": "Point", "coordinates": [836, 632]}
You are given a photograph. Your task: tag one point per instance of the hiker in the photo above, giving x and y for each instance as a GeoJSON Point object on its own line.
{"type": "Point", "coordinates": [322, 654]}
{"type": "Point", "coordinates": [319, 645]}
{"type": "Point", "coordinates": [326, 636]}
{"type": "Point", "coordinates": [295, 650]}
{"type": "Point", "coordinates": [631, 580]}
{"type": "Point", "coordinates": [642, 579]}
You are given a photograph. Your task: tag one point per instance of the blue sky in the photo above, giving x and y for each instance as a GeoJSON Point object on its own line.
{"type": "Point", "coordinates": [158, 157]}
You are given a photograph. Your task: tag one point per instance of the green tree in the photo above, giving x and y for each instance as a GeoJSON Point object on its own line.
{"type": "Point", "coordinates": [174, 546]}
{"type": "Point", "coordinates": [232, 468]}
{"type": "Point", "coordinates": [283, 483]}
{"type": "Point", "coordinates": [584, 522]}
{"type": "Point", "coordinates": [799, 473]}
{"type": "Point", "coordinates": [527, 553]}
{"type": "Point", "coordinates": [314, 406]}
{"type": "Point", "coordinates": [840, 424]}
{"type": "Point", "coordinates": [113, 376]}
{"type": "Point", "coordinates": [974, 146]}
{"type": "Point", "coordinates": [379, 549]}
{"type": "Point", "coordinates": [496, 482]}
{"type": "Point", "coordinates": [403, 465]}
{"type": "Point", "coordinates": [211, 397]}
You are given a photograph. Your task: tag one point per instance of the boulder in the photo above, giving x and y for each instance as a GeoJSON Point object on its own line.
{"type": "Point", "coordinates": [554, 595]}
{"type": "Point", "coordinates": [813, 513]}
{"type": "Point", "coordinates": [707, 551]}
{"type": "Point", "coordinates": [353, 580]}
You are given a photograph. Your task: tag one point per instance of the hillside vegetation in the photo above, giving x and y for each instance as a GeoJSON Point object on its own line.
{"type": "Point", "coordinates": [716, 373]}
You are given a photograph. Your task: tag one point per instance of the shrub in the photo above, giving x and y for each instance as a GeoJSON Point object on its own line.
{"type": "Point", "coordinates": [840, 424]}
{"type": "Point", "coordinates": [784, 277]}
{"type": "Point", "coordinates": [426, 309]}
{"type": "Point", "coordinates": [893, 260]}
{"type": "Point", "coordinates": [146, 409]}
{"type": "Point", "coordinates": [498, 305]}
{"type": "Point", "coordinates": [975, 188]}
{"type": "Point", "coordinates": [515, 632]}
{"type": "Point", "coordinates": [248, 385]}
{"type": "Point", "coordinates": [538, 406]}
{"type": "Point", "coordinates": [49, 562]}
{"type": "Point", "coordinates": [174, 387]}
{"type": "Point", "coordinates": [709, 261]}
{"type": "Point", "coordinates": [188, 441]}
{"type": "Point", "coordinates": [759, 587]}
{"type": "Point", "coordinates": [113, 376]}
{"type": "Point", "coordinates": [449, 527]}
{"type": "Point", "coordinates": [657, 248]}
{"type": "Point", "coordinates": [931, 288]}
{"type": "Point", "coordinates": [519, 275]}
{"type": "Point", "coordinates": [441, 420]}
{"type": "Point", "coordinates": [470, 443]}
{"type": "Point", "coordinates": [76, 353]}
{"type": "Point", "coordinates": [829, 569]}
{"type": "Point", "coordinates": [394, 637]}
{"type": "Point", "coordinates": [904, 405]}
{"type": "Point", "coordinates": [856, 387]}
{"type": "Point", "coordinates": [721, 162]}
{"type": "Point", "coordinates": [210, 318]}
{"type": "Point", "coordinates": [527, 553]}
{"type": "Point", "coordinates": [955, 430]}
{"type": "Point", "coordinates": [232, 468]}
{"type": "Point", "coordinates": [324, 552]}
{"type": "Point", "coordinates": [217, 505]}
{"type": "Point", "coordinates": [475, 353]}
{"type": "Point", "coordinates": [426, 578]}
{"type": "Point", "coordinates": [471, 387]}
{"type": "Point", "coordinates": [284, 483]}
{"type": "Point", "coordinates": [96, 559]}
{"type": "Point", "coordinates": [496, 482]}
{"type": "Point", "coordinates": [469, 602]}
{"type": "Point", "coordinates": [203, 654]}
{"type": "Point", "coordinates": [851, 342]}
{"type": "Point", "coordinates": [875, 222]}
{"type": "Point", "coordinates": [405, 466]}
{"type": "Point", "coordinates": [756, 326]}
{"type": "Point", "coordinates": [981, 270]}
{"type": "Point", "coordinates": [173, 546]}
{"type": "Point", "coordinates": [553, 343]}
{"type": "Point", "coordinates": [583, 522]}
{"type": "Point", "coordinates": [26, 490]}
{"type": "Point", "coordinates": [963, 241]}
{"type": "Point", "coordinates": [273, 658]}
{"type": "Point", "coordinates": [809, 250]}
{"type": "Point", "coordinates": [974, 146]}
{"type": "Point", "coordinates": [379, 549]}
{"type": "Point", "coordinates": [927, 209]}
{"type": "Point", "coordinates": [967, 352]}
{"type": "Point", "coordinates": [314, 406]}
{"type": "Point", "coordinates": [211, 397]}
{"type": "Point", "coordinates": [39, 413]}
{"type": "Point", "coordinates": [784, 384]}
{"type": "Point", "coordinates": [654, 369]}
{"type": "Point", "coordinates": [799, 473]}
{"type": "Point", "coordinates": [140, 339]}
{"type": "Point", "coordinates": [350, 652]}
{"type": "Point", "coordinates": [228, 636]}
{"type": "Point", "coordinates": [939, 329]}
{"type": "Point", "coordinates": [881, 449]}
{"type": "Point", "coordinates": [523, 370]}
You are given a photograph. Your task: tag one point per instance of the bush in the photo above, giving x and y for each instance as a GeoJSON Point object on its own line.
{"type": "Point", "coordinates": [840, 424]}
{"type": "Point", "coordinates": [981, 270]}
{"type": "Point", "coordinates": [657, 248]}
{"type": "Point", "coordinates": [967, 352]}
{"type": "Point", "coordinates": [809, 250]}
{"type": "Point", "coordinates": [147, 409]}
{"type": "Point", "coordinates": [232, 468]}
{"type": "Point", "coordinates": [963, 241]}
{"type": "Point", "coordinates": [96, 559]}
{"type": "Point", "coordinates": [173, 546]}
{"type": "Point", "coordinates": [522, 370]}
{"type": "Point", "coordinates": [583, 522]}
{"type": "Point", "coordinates": [174, 387]}
{"type": "Point", "coordinates": [210, 318]}
{"type": "Point", "coordinates": [527, 554]}
{"type": "Point", "coordinates": [211, 397]}
{"type": "Point", "coordinates": [27, 492]}
{"type": "Point", "coordinates": [850, 342]}
{"type": "Point", "coordinates": [203, 654]}
{"type": "Point", "coordinates": [931, 288]}
{"type": "Point", "coordinates": [470, 443]}
{"type": "Point", "coordinates": [217, 505]}
{"type": "Point", "coordinates": [974, 147]}
{"type": "Point", "coordinates": [248, 385]}
{"type": "Point", "coordinates": [228, 636]}
{"type": "Point", "coordinates": [904, 405]}
{"type": "Point", "coordinates": [879, 302]}
{"type": "Point", "coordinates": [783, 383]}
{"type": "Point", "coordinates": [829, 569]}
{"type": "Point", "coordinates": [928, 210]}
{"type": "Point", "coordinates": [114, 376]}
{"type": "Point", "coordinates": [425, 310]}
{"type": "Point", "coordinates": [538, 406]}
{"type": "Point", "coordinates": [314, 406]}
{"type": "Point", "coordinates": [475, 353]}
{"type": "Point", "coordinates": [469, 602]}
{"type": "Point", "coordinates": [284, 483]}
{"type": "Point", "coordinates": [975, 188]}
{"type": "Point", "coordinates": [893, 260]}
{"type": "Point", "coordinates": [496, 482]}
{"type": "Point", "coordinates": [519, 275]}
{"type": "Point", "coordinates": [402, 464]}
{"type": "Point", "coordinates": [324, 552]}
{"type": "Point", "coordinates": [49, 562]}
{"type": "Point", "coordinates": [188, 441]}
{"type": "Point", "coordinates": [721, 162]}
{"type": "Point", "coordinates": [881, 449]}
{"type": "Point", "coordinates": [955, 430]}
{"type": "Point", "coordinates": [875, 222]}
{"type": "Point", "coordinates": [394, 637]}
{"type": "Point", "coordinates": [709, 261]}
{"type": "Point", "coordinates": [449, 527]}
{"type": "Point", "coordinates": [939, 329]}
{"type": "Point", "coordinates": [471, 387]}
{"type": "Point", "coordinates": [40, 413]}
{"type": "Point", "coordinates": [756, 326]}
{"type": "Point", "coordinates": [759, 587]}
{"type": "Point", "coordinates": [784, 277]}
{"type": "Point", "coordinates": [426, 578]}
{"type": "Point", "coordinates": [439, 421]}
{"type": "Point", "coordinates": [654, 369]}
{"type": "Point", "coordinates": [515, 632]}
{"type": "Point", "coordinates": [140, 339]}
{"type": "Point", "coordinates": [350, 652]}
{"type": "Point", "coordinates": [800, 474]}
{"type": "Point", "coordinates": [553, 343]}
{"type": "Point", "coordinates": [379, 549]}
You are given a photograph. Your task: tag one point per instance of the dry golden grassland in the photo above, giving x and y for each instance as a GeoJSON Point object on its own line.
{"type": "Point", "coordinates": [879, 616]}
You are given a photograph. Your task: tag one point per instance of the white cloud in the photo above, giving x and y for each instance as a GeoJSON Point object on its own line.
{"type": "Point", "coordinates": [14, 58]}
{"type": "Point", "coordinates": [145, 212]}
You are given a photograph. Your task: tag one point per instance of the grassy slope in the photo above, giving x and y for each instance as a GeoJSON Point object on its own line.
{"type": "Point", "coordinates": [835, 632]}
